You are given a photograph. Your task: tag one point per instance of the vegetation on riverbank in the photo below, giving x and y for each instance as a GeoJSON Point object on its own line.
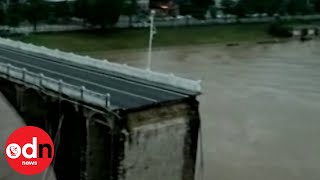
{"type": "Point", "coordinates": [81, 42]}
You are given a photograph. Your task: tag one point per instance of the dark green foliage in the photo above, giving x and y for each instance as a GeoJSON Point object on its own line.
{"type": "Point", "coordinates": [316, 5]}
{"type": "Point", "coordinates": [62, 9]}
{"type": "Point", "coordinates": [185, 9]}
{"type": "Point", "coordinates": [104, 13]}
{"type": "Point", "coordinates": [35, 11]}
{"type": "Point", "coordinates": [262, 6]}
{"type": "Point", "coordinates": [228, 6]}
{"type": "Point", "coordinates": [241, 9]}
{"type": "Point", "coordinates": [199, 13]}
{"type": "Point", "coordinates": [203, 3]}
{"type": "Point", "coordinates": [81, 9]}
{"type": "Point", "coordinates": [213, 11]}
{"type": "Point", "coordinates": [2, 15]}
{"type": "Point", "coordinates": [130, 8]}
{"type": "Point", "coordinates": [14, 14]}
{"type": "Point", "coordinates": [279, 29]}
{"type": "Point", "coordinates": [200, 8]}
{"type": "Point", "coordinates": [298, 7]}
{"type": "Point", "coordinates": [270, 7]}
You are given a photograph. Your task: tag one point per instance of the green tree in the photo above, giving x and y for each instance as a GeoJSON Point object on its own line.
{"type": "Point", "coordinates": [104, 13]}
{"type": "Point", "coordinates": [2, 15]}
{"type": "Point", "coordinates": [213, 11]}
{"type": "Point", "coordinates": [185, 9]}
{"type": "Point", "coordinates": [228, 6]}
{"type": "Point", "coordinates": [200, 8]}
{"type": "Point", "coordinates": [81, 9]}
{"type": "Point", "coordinates": [130, 8]}
{"type": "Point", "coordinates": [14, 14]}
{"type": "Point", "coordinates": [35, 11]}
{"type": "Point", "coordinates": [62, 10]}
{"type": "Point", "coordinates": [203, 3]}
{"type": "Point", "coordinates": [262, 6]}
{"type": "Point", "coordinates": [299, 7]}
{"type": "Point", "coordinates": [240, 9]}
{"type": "Point", "coordinates": [316, 4]}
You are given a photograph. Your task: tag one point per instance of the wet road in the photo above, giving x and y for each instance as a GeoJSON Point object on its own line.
{"type": "Point", "coordinates": [260, 107]}
{"type": "Point", "coordinates": [126, 92]}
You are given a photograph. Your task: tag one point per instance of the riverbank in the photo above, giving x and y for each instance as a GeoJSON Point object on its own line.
{"type": "Point", "coordinates": [96, 44]}
{"type": "Point", "coordinates": [259, 108]}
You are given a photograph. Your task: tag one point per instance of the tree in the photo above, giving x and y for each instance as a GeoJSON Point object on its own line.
{"type": "Point", "coordinates": [228, 6]}
{"type": "Point", "coordinates": [277, 7]}
{"type": "Point", "coordinates": [203, 3]}
{"type": "Point", "coordinates": [2, 15]}
{"type": "Point", "coordinates": [62, 10]}
{"type": "Point", "coordinates": [130, 8]}
{"type": "Point", "coordinates": [241, 9]}
{"type": "Point", "coordinates": [213, 11]}
{"type": "Point", "coordinates": [186, 9]}
{"type": "Point", "coordinates": [104, 13]}
{"type": "Point", "coordinates": [14, 14]}
{"type": "Point", "coordinates": [316, 4]}
{"type": "Point", "coordinates": [299, 7]}
{"type": "Point", "coordinates": [200, 8]}
{"type": "Point", "coordinates": [35, 11]}
{"type": "Point", "coordinates": [81, 9]}
{"type": "Point", "coordinates": [270, 7]}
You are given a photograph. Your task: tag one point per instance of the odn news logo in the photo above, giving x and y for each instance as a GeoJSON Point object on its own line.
{"type": "Point", "coordinates": [29, 150]}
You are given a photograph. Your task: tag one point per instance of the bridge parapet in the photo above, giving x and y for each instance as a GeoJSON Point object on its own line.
{"type": "Point", "coordinates": [169, 79]}
{"type": "Point", "coordinates": [39, 81]}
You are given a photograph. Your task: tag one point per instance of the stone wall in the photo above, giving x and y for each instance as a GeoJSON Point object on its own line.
{"type": "Point", "coordinates": [161, 144]}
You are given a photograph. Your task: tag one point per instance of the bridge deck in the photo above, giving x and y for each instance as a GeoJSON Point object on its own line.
{"type": "Point", "coordinates": [126, 92]}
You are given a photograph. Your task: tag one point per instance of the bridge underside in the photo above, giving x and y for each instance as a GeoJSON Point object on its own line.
{"type": "Point", "coordinates": [94, 143]}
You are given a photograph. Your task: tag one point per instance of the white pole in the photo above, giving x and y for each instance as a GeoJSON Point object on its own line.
{"type": "Point", "coordinates": [152, 13]}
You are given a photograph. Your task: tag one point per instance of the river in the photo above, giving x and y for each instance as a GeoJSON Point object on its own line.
{"type": "Point", "coordinates": [260, 106]}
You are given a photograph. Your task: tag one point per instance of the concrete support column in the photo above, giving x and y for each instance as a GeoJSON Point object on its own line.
{"type": "Point", "coordinates": [99, 148]}
{"type": "Point", "coordinates": [68, 155]}
{"type": "Point", "coordinates": [191, 142]}
{"type": "Point", "coordinates": [19, 97]}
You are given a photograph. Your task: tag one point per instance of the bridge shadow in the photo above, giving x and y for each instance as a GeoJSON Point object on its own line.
{"type": "Point", "coordinates": [88, 144]}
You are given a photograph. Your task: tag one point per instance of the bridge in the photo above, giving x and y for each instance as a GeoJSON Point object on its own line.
{"type": "Point", "coordinates": [109, 120]}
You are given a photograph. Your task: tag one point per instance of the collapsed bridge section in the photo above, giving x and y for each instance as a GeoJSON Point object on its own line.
{"type": "Point", "coordinates": [113, 121]}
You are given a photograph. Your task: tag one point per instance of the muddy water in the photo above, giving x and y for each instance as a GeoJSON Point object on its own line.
{"type": "Point", "coordinates": [260, 106]}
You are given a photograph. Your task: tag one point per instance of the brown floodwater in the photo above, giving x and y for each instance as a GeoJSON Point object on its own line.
{"type": "Point", "coordinates": [260, 106]}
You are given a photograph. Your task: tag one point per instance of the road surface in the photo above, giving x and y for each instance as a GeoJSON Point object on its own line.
{"type": "Point", "coordinates": [126, 92]}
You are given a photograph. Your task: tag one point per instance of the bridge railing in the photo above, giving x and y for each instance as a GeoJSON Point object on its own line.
{"type": "Point", "coordinates": [40, 81]}
{"type": "Point", "coordinates": [169, 79]}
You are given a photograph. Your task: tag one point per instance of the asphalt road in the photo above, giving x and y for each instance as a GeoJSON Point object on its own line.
{"type": "Point", "coordinates": [125, 91]}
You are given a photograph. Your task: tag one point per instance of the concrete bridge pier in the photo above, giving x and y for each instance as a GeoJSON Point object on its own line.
{"type": "Point", "coordinates": [100, 148]}
{"type": "Point", "coordinates": [153, 142]}
{"type": "Point", "coordinates": [84, 145]}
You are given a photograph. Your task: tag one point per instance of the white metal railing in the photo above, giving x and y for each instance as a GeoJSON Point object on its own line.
{"type": "Point", "coordinates": [169, 79]}
{"type": "Point", "coordinates": [39, 80]}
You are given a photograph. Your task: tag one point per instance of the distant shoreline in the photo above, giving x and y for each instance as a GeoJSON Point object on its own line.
{"type": "Point", "coordinates": [98, 44]}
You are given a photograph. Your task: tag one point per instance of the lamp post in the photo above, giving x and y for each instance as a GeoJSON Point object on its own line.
{"type": "Point", "coordinates": [152, 32]}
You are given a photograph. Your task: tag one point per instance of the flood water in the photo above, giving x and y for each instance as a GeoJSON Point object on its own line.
{"type": "Point", "coordinates": [260, 106]}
